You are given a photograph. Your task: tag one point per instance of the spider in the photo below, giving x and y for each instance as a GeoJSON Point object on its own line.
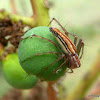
{"type": "Point", "coordinates": [70, 53]}
{"type": "Point", "coordinates": [70, 50]}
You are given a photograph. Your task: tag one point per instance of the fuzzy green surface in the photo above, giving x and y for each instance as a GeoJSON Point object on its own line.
{"type": "Point", "coordinates": [36, 64]}
{"type": "Point", "coordinates": [15, 75]}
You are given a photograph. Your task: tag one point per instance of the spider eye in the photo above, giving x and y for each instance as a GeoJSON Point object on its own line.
{"type": "Point", "coordinates": [51, 29]}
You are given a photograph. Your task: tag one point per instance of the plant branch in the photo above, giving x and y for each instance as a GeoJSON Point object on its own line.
{"type": "Point", "coordinates": [34, 8]}
{"type": "Point", "coordinates": [25, 20]}
{"type": "Point", "coordinates": [86, 82]}
{"type": "Point", "coordinates": [40, 11]}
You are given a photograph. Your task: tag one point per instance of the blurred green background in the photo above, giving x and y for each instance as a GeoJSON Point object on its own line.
{"type": "Point", "coordinates": [80, 17]}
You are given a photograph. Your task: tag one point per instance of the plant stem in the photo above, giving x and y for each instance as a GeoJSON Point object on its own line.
{"type": "Point", "coordinates": [87, 81]}
{"type": "Point", "coordinates": [41, 13]}
{"type": "Point", "coordinates": [34, 8]}
{"type": "Point", "coordinates": [51, 92]}
{"type": "Point", "coordinates": [25, 20]}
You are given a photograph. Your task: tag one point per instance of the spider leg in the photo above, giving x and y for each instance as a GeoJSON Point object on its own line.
{"type": "Point", "coordinates": [56, 70]}
{"type": "Point", "coordinates": [80, 47]}
{"type": "Point", "coordinates": [60, 67]}
{"type": "Point", "coordinates": [59, 58]}
{"type": "Point", "coordinates": [51, 52]}
{"type": "Point", "coordinates": [54, 19]}
{"type": "Point", "coordinates": [75, 37]}
{"type": "Point", "coordinates": [75, 40]}
{"type": "Point", "coordinates": [46, 40]}
{"type": "Point", "coordinates": [71, 70]}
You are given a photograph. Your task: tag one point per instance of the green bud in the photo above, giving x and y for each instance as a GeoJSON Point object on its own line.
{"type": "Point", "coordinates": [37, 65]}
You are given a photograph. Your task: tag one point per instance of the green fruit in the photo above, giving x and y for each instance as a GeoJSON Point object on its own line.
{"type": "Point", "coordinates": [31, 45]}
{"type": "Point", "coordinates": [15, 75]}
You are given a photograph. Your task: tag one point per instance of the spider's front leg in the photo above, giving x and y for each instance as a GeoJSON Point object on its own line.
{"type": "Point", "coordinates": [34, 35]}
{"type": "Point", "coordinates": [54, 19]}
{"type": "Point", "coordinates": [75, 37]}
{"type": "Point", "coordinates": [80, 48]}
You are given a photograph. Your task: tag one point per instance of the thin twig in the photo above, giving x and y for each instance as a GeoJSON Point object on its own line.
{"type": "Point", "coordinates": [13, 5]}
